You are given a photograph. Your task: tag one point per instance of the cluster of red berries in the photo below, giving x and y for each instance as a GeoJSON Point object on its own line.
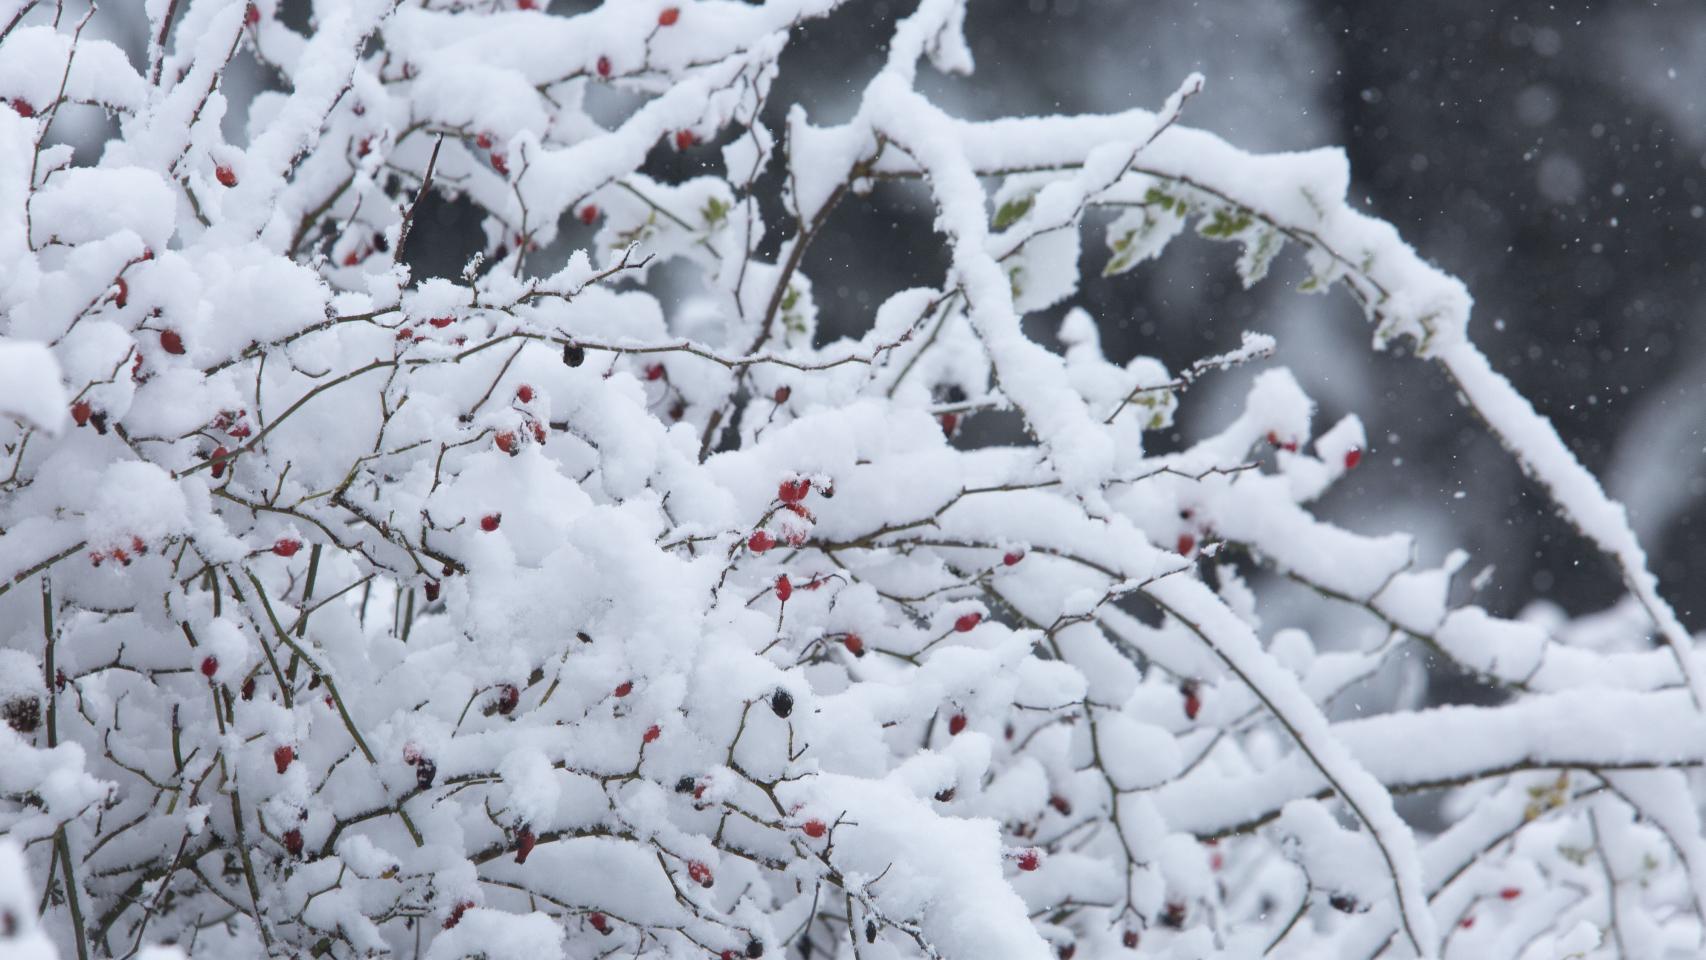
{"type": "Point", "coordinates": [138, 547]}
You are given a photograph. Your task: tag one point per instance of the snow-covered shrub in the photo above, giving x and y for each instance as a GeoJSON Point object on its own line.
{"type": "Point", "coordinates": [609, 610]}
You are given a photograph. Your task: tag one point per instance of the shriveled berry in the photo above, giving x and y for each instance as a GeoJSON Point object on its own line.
{"type": "Point", "coordinates": [754, 948]}
{"type": "Point", "coordinates": [425, 772]}
{"type": "Point", "coordinates": [282, 756]}
{"type": "Point", "coordinates": [1129, 939]}
{"type": "Point", "coordinates": [22, 714]}
{"type": "Point", "coordinates": [248, 689]}
{"type": "Point", "coordinates": [1066, 950]}
{"type": "Point", "coordinates": [431, 590]}
{"type": "Point", "coordinates": [293, 842]}
{"type": "Point", "coordinates": [685, 785]}
{"type": "Point", "coordinates": [573, 354]}
{"type": "Point", "coordinates": [782, 703]}
{"type": "Point", "coordinates": [1061, 805]}
{"type": "Point", "coordinates": [1342, 902]}
{"type": "Point", "coordinates": [945, 795]}
{"type": "Point", "coordinates": [508, 698]}
{"type": "Point", "coordinates": [1173, 916]}
{"type": "Point", "coordinates": [524, 842]}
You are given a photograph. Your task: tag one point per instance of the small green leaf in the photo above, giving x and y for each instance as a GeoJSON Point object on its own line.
{"type": "Point", "coordinates": [1012, 210]}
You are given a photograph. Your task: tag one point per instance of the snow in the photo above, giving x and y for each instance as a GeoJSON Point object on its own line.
{"type": "Point", "coordinates": [585, 584]}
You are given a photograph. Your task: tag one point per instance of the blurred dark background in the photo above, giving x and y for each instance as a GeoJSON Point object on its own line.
{"type": "Point", "coordinates": [1552, 155]}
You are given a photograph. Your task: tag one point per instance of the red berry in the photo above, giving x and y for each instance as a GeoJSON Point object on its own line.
{"type": "Point", "coordinates": [854, 644]}
{"type": "Point", "coordinates": [652, 733]}
{"type": "Point", "coordinates": [23, 107]}
{"type": "Point", "coordinates": [782, 394]}
{"type": "Point", "coordinates": [490, 521]}
{"type": "Point", "coordinates": [1186, 544]}
{"type": "Point", "coordinates": [287, 547]}
{"type": "Point", "coordinates": [793, 491]}
{"type": "Point", "coordinates": [122, 297]}
{"type": "Point", "coordinates": [589, 214]}
{"type": "Point", "coordinates": [1467, 922]}
{"type": "Point", "coordinates": [249, 689]}
{"type": "Point", "coordinates": [655, 372]}
{"type": "Point", "coordinates": [508, 697]}
{"type": "Point", "coordinates": [668, 17]}
{"type": "Point", "coordinates": [1029, 860]}
{"type": "Point", "coordinates": [352, 258]}
{"type": "Point", "coordinates": [538, 432]}
{"type": "Point", "coordinates": [172, 342]}
{"type": "Point", "coordinates": [727, 955]}
{"type": "Point", "coordinates": [624, 688]}
{"type": "Point", "coordinates": [506, 442]}
{"type": "Point", "coordinates": [1192, 692]}
{"type": "Point", "coordinates": [760, 541]}
{"type": "Point", "coordinates": [1066, 950]}
{"type": "Point", "coordinates": [1130, 939]}
{"type": "Point", "coordinates": [227, 176]}
{"type": "Point", "coordinates": [483, 141]}
{"type": "Point", "coordinates": [949, 422]}
{"type": "Point", "coordinates": [121, 557]}
{"type": "Point", "coordinates": [500, 163]}
{"type": "Point", "coordinates": [700, 873]}
{"type": "Point", "coordinates": [1013, 557]}
{"type": "Point", "coordinates": [293, 842]}
{"type": "Point", "coordinates": [1061, 805]}
{"type": "Point", "coordinates": [442, 322]}
{"type": "Point", "coordinates": [282, 756]}
{"type": "Point", "coordinates": [80, 412]}
{"type": "Point", "coordinates": [685, 139]}
{"type": "Point", "coordinates": [209, 666]}
{"type": "Point", "coordinates": [219, 465]}
{"type": "Point", "coordinates": [599, 923]}
{"type": "Point", "coordinates": [526, 4]}
{"type": "Point", "coordinates": [524, 845]}
{"type": "Point", "coordinates": [1353, 456]}
{"type": "Point", "coordinates": [814, 829]}
{"type": "Point", "coordinates": [784, 589]}
{"type": "Point", "coordinates": [251, 15]}
{"type": "Point", "coordinates": [603, 71]}
{"type": "Point", "coordinates": [1510, 893]}
{"type": "Point", "coordinates": [431, 590]}
{"type": "Point", "coordinates": [956, 724]}
{"type": "Point", "coordinates": [456, 914]}
{"type": "Point", "coordinates": [967, 621]}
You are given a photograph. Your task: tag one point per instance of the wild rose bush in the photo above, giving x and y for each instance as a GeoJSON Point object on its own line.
{"type": "Point", "coordinates": [605, 610]}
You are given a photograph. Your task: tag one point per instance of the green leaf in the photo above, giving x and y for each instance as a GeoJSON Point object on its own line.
{"type": "Point", "coordinates": [1012, 210]}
